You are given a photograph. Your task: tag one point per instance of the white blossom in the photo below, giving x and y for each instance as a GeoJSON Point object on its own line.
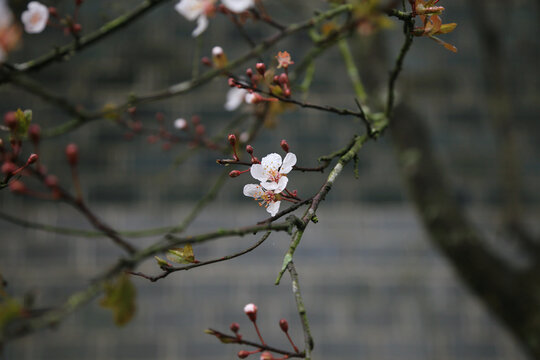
{"type": "Point", "coordinates": [271, 172]}
{"type": "Point", "coordinates": [238, 6]}
{"type": "Point", "coordinates": [180, 124]}
{"type": "Point", "coordinates": [268, 198]}
{"type": "Point", "coordinates": [35, 18]}
{"type": "Point", "coordinates": [195, 10]}
{"type": "Point", "coordinates": [235, 98]}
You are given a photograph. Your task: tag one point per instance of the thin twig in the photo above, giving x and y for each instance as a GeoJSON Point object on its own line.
{"type": "Point", "coordinates": [308, 339]}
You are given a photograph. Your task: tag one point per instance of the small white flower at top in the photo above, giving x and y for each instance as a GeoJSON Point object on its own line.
{"type": "Point", "coordinates": [196, 10]}
{"type": "Point", "coordinates": [35, 18]}
{"type": "Point", "coordinates": [269, 198]}
{"type": "Point", "coordinates": [238, 6]}
{"type": "Point", "coordinates": [272, 171]}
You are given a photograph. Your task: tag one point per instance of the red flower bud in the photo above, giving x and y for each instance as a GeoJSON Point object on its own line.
{"type": "Point", "coordinates": [76, 28]}
{"type": "Point", "coordinates": [284, 325]}
{"type": "Point", "coordinates": [287, 92]}
{"type": "Point", "coordinates": [261, 68]}
{"type": "Point", "coordinates": [34, 133]}
{"type": "Point", "coordinates": [285, 145]}
{"type": "Point", "coordinates": [276, 79]}
{"type": "Point", "coordinates": [283, 79]}
{"type": "Point", "coordinates": [8, 167]}
{"type": "Point", "coordinates": [51, 181]}
{"type": "Point", "coordinates": [72, 154]}
{"type": "Point", "coordinates": [234, 173]}
{"type": "Point", "coordinates": [249, 73]}
{"type": "Point", "coordinates": [205, 60]}
{"type": "Point", "coordinates": [17, 187]}
{"type": "Point", "coordinates": [32, 158]}
{"type": "Point", "coordinates": [249, 149]}
{"type": "Point", "coordinates": [234, 327]}
{"type": "Point", "coordinates": [10, 119]}
{"type": "Point", "coordinates": [242, 354]}
{"type": "Point", "coordinates": [251, 311]}
{"type": "Point", "coordinates": [232, 139]}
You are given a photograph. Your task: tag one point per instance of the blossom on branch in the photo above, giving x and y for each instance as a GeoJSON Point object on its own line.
{"type": "Point", "coordinates": [271, 172]}
{"type": "Point", "coordinates": [284, 59]}
{"type": "Point", "coordinates": [237, 6]}
{"type": "Point", "coordinates": [269, 198]}
{"type": "Point", "coordinates": [432, 22]}
{"type": "Point", "coordinates": [196, 10]}
{"type": "Point", "coordinates": [35, 18]}
{"type": "Point", "coordinates": [235, 98]}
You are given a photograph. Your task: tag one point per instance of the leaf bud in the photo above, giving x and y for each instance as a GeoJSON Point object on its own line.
{"type": "Point", "coordinates": [285, 145]}
{"type": "Point", "coordinates": [242, 354]}
{"type": "Point", "coordinates": [72, 154]}
{"type": "Point", "coordinates": [284, 325]}
{"type": "Point", "coordinates": [251, 311]}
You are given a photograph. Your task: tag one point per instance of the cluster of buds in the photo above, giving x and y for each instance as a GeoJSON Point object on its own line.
{"type": "Point", "coordinates": [431, 21]}
{"type": "Point", "coordinates": [69, 23]}
{"type": "Point", "coordinates": [271, 172]}
{"type": "Point", "coordinates": [278, 84]}
{"type": "Point", "coordinates": [13, 168]}
{"type": "Point", "coordinates": [251, 311]}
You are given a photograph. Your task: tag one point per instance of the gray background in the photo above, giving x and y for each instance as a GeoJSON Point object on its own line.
{"type": "Point", "coordinates": [374, 286]}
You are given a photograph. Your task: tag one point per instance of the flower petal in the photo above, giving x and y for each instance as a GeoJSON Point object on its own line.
{"type": "Point", "coordinates": [273, 208]}
{"type": "Point", "coordinates": [237, 6]}
{"type": "Point", "coordinates": [190, 9]}
{"type": "Point", "coordinates": [258, 173]}
{"type": "Point", "coordinates": [253, 190]}
{"type": "Point", "coordinates": [269, 185]}
{"type": "Point", "coordinates": [235, 97]}
{"type": "Point", "coordinates": [271, 163]}
{"type": "Point", "coordinates": [202, 24]}
{"type": "Point", "coordinates": [281, 185]}
{"type": "Point", "coordinates": [288, 162]}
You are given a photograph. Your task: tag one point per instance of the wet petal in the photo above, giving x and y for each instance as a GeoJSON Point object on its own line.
{"type": "Point", "coordinates": [271, 163]}
{"type": "Point", "coordinates": [202, 24]}
{"type": "Point", "coordinates": [281, 185]}
{"type": "Point", "coordinates": [253, 190]}
{"type": "Point", "coordinates": [273, 208]}
{"type": "Point", "coordinates": [258, 173]}
{"type": "Point", "coordinates": [237, 6]}
{"type": "Point", "coordinates": [288, 162]}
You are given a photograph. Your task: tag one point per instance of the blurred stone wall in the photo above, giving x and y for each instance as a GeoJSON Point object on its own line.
{"type": "Point", "coordinates": [374, 287]}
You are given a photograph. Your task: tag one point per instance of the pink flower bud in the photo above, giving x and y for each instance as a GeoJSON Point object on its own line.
{"type": "Point", "coordinates": [32, 158]}
{"type": "Point", "coordinates": [251, 311]}
{"type": "Point", "coordinates": [51, 181]}
{"type": "Point", "coordinates": [234, 327]}
{"type": "Point", "coordinates": [8, 167]}
{"type": "Point", "coordinates": [249, 149]}
{"type": "Point", "coordinates": [34, 133]}
{"type": "Point", "coordinates": [206, 61]}
{"type": "Point", "coordinates": [283, 79]}
{"type": "Point", "coordinates": [72, 154]}
{"type": "Point", "coordinates": [232, 82]}
{"type": "Point", "coordinates": [266, 356]}
{"type": "Point", "coordinates": [234, 173]}
{"type": "Point", "coordinates": [10, 119]}
{"type": "Point", "coordinates": [232, 139]}
{"type": "Point", "coordinates": [287, 92]}
{"type": "Point", "coordinates": [284, 325]}
{"type": "Point", "coordinates": [242, 354]}
{"type": "Point", "coordinates": [275, 79]}
{"type": "Point", "coordinates": [261, 68]}
{"type": "Point", "coordinates": [285, 145]}
{"type": "Point", "coordinates": [249, 73]}
{"type": "Point", "coordinates": [76, 28]}
{"type": "Point", "coordinates": [17, 187]}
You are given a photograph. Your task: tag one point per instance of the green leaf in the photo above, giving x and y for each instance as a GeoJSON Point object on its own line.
{"type": "Point", "coordinates": [9, 310]}
{"type": "Point", "coordinates": [120, 297]}
{"type": "Point", "coordinates": [182, 255]}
